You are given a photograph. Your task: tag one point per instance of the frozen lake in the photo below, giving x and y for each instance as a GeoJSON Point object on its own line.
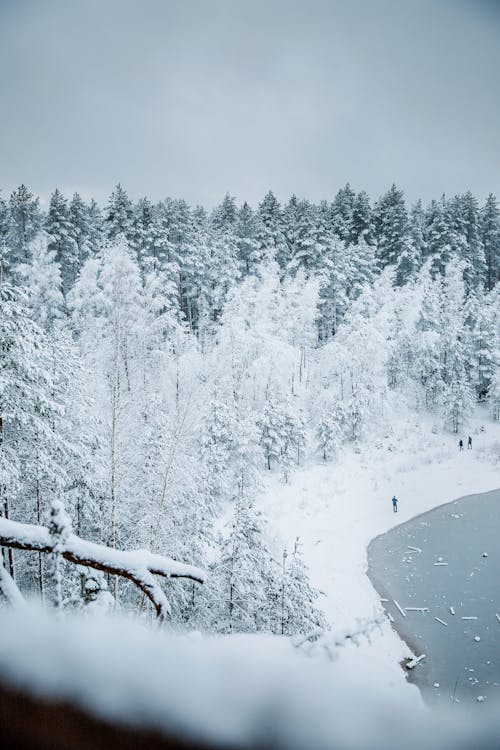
{"type": "Point", "coordinates": [454, 572]}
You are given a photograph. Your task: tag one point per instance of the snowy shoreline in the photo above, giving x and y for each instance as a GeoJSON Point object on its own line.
{"type": "Point", "coordinates": [337, 509]}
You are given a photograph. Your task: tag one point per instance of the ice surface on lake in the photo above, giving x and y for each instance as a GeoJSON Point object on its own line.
{"type": "Point", "coordinates": [467, 586]}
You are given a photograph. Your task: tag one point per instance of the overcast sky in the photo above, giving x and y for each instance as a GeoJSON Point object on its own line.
{"type": "Point", "coordinates": [193, 98]}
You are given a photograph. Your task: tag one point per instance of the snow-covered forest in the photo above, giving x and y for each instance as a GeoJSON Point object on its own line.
{"type": "Point", "coordinates": [158, 360]}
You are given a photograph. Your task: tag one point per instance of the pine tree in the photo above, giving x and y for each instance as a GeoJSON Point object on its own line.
{"type": "Point", "coordinates": [485, 344]}
{"type": "Point", "coordinates": [490, 237]}
{"type": "Point", "coordinates": [270, 233]}
{"type": "Point", "coordinates": [330, 431]}
{"type": "Point", "coordinates": [217, 447]}
{"type": "Point", "coordinates": [245, 576]}
{"type": "Point", "coordinates": [4, 231]}
{"type": "Point", "coordinates": [293, 440]}
{"type": "Point", "coordinates": [96, 228]}
{"type": "Point", "coordinates": [342, 210]}
{"type": "Point", "coordinates": [361, 264]}
{"type": "Point", "coordinates": [362, 220]}
{"type": "Point", "coordinates": [224, 216]}
{"type": "Point", "coordinates": [417, 233]}
{"type": "Point", "coordinates": [24, 223]}
{"type": "Point", "coordinates": [297, 609]}
{"type": "Point", "coordinates": [335, 280]}
{"type": "Point", "coordinates": [309, 243]}
{"type": "Point", "coordinates": [458, 398]}
{"type": "Point", "coordinates": [247, 230]}
{"type": "Point", "coordinates": [118, 219]}
{"type": "Point", "coordinates": [143, 234]}
{"type": "Point", "coordinates": [476, 269]}
{"type": "Point", "coordinates": [59, 229]}
{"type": "Point", "coordinates": [270, 426]}
{"type": "Point", "coordinates": [441, 244]}
{"type": "Point", "coordinates": [282, 435]}
{"type": "Point", "coordinates": [494, 390]}
{"type": "Point", "coordinates": [80, 228]}
{"type": "Point", "coordinates": [391, 226]}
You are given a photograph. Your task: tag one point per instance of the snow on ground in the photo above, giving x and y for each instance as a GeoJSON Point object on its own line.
{"type": "Point", "coordinates": [238, 691]}
{"type": "Point", "coordinates": [336, 509]}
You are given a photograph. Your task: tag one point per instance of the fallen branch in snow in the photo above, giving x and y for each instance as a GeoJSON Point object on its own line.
{"type": "Point", "coordinates": [400, 608]}
{"type": "Point", "coordinates": [441, 621]}
{"type": "Point", "coordinates": [139, 566]}
{"type": "Point", "coordinates": [318, 641]}
{"type": "Point", "coordinates": [415, 661]}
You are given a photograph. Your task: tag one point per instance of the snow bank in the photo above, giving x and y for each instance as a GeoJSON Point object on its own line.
{"type": "Point", "coordinates": [237, 691]}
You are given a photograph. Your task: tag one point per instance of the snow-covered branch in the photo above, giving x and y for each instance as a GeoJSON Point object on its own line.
{"type": "Point", "coordinates": [139, 566]}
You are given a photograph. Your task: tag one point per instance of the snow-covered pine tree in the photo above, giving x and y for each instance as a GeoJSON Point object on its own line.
{"type": "Point", "coordinates": [246, 230]}
{"type": "Point", "coordinates": [282, 435]}
{"type": "Point", "coordinates": [476, 268]}
{"type": "Point", "coordinates": [458, 397]}
{"type": "Point", "coordinates": [392, 226]}
{"type": "Point", "coordinates": [362, 267]}
{"type": "Point", "coordinates": [494, 390]}
{"type": "Point", "coordinates": [270, 425]}
{"type": "Point", "coordinates": [4, 231]}
{"type": "Point", "coordinates": [118, 217]}
{"type": "Point", "coordinates": [60, 239]}
{"type": "Point", "coordinates": [24, 222]}
{"type": "Point", "coordinates": [143, 234]}
{"type": "Point", "coordinates": [80, 228]}
{"type": "Point", "coordinates": [335, 281]}
{"type": "Point", "coordinates": [270, 231]}
{"type": "Point", "coordinates": [330, 430]}
{"type": "Point", "coordinates": [442, 241]}
{"type": "Point", "coordinates": [245, 579]}
{"type": "Point", "coordinates": [342, 210]}
{"type": "Point", "coordinates": [484, 346]}
{"type": "Point", "coordinates": [217, 447]}
{"type": "Point", "coordinates": [225, 216]}
{"type": "Point", "coordinates": [362, 220]}
{"type": "Point", "coordinates": [490, 237]}
{"type": "Point", "coordinates": [296, 605]}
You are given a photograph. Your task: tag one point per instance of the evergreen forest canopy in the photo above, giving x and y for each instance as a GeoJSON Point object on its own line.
{"type": "Point", "coordinates": [157, 359]}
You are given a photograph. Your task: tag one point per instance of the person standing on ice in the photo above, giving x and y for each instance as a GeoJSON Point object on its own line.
{"type": "Point", "coordinates": [461, 444]}
{"type": "Point", "coordinates": [469, 443]}
{"type": "Point", "coordinates": [394, 504]}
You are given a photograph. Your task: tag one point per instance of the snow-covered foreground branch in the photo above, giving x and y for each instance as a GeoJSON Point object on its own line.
{"type": "Point", "coordinates": [139, 566]}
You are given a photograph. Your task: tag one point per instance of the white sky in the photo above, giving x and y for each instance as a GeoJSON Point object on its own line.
{"type": "Point", "coordinates": [193, 98]}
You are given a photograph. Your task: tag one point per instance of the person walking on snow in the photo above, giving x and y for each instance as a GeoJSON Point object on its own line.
{"type": "Point", "coordinates": [394, 504]}
{"type": "Point", "coordinates": [461, 444]}
{"type": "Point", "coordinates": [469, 443]}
